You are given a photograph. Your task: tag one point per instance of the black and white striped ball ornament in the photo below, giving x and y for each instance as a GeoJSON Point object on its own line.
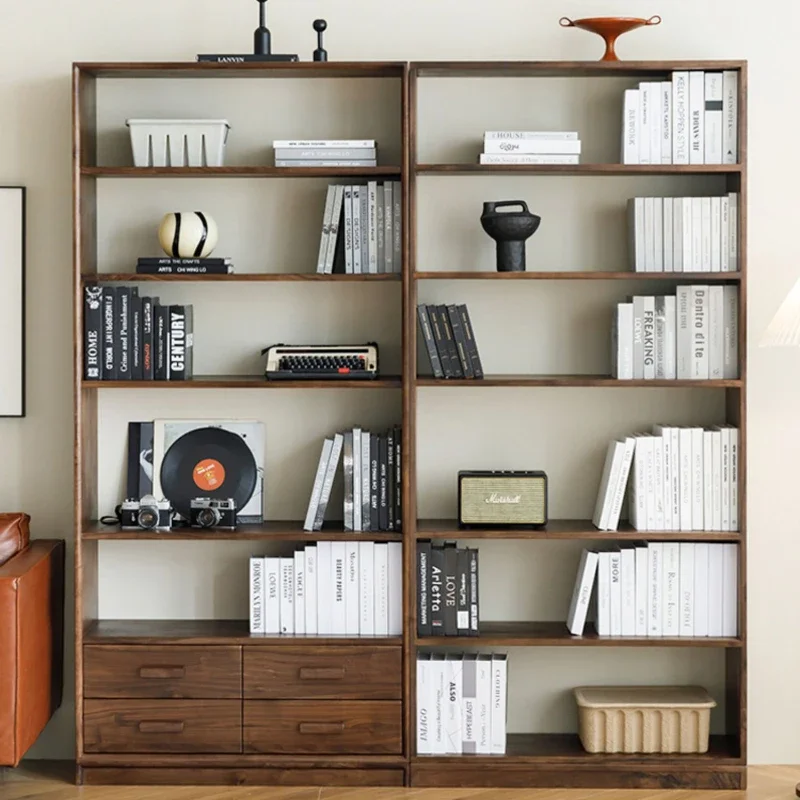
{"type": "Point", "coordinates": [188, 234]}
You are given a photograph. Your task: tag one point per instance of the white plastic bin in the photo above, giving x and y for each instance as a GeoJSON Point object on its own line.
{"type": "Point", "coordinates": [178, 142]}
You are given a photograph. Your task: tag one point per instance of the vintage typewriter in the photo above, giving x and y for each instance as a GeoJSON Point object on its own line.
{"type": "Point", "coordinates": [321, 362]}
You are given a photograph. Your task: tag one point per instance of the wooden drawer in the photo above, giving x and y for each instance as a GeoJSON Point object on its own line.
{"type": "Point", "coordinates": [162, 672]}
{"type": "Point", "coordinates": [334, 673]}
{"type": "Point", "coordinates": [162, 726]}
{"type": "Point", "coordinates": [353, 727]}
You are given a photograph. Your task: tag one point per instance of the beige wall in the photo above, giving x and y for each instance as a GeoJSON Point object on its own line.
{"type": "Point", "coordinates": [37, 45]}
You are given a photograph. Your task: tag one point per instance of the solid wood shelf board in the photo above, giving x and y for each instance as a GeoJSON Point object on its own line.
{"type": "Point", "coordinates": [240, 172]}
{"type": "Point", "coordinates": [575, 529]}
{"type": "Point", "coordinates": [555, 634]}
{"type": "Point", "coordinates": [244, 382]}
{"type": "Point", "coordinates": [207, 632]}
{"type": "Point", "coordinates": [243, 277]}
{"type": "Point", "coordinates": [577, 169]}
{"type": "Point", "coordinates": [598, 275]}
{"type": "Point", "coordinates": [601, 381]}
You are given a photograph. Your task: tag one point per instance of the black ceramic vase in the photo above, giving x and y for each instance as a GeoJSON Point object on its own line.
{"type": "Point", "coordinates": [510, 229]}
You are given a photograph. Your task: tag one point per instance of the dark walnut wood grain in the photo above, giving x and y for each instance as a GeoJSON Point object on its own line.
{"type": "Point", "coordinates": [162, 726]}
{"type": "Point", "coordinates": [329, 673]}
{"type": "Point", "coordinates": [566, 275]}
{"type": "Point", "coordinates": [245, 382]}
{"type": "Point", "coordinates": [243, 277]}
{"type": "Point", "coordinates": [241, 172]}
{"type": "Point", "coordinates": [162, 672]}
{"type": "Point", "coordinates": [356, 727]}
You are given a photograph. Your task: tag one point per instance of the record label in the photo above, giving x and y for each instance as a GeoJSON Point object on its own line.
{"type": "Point", "coordinates": [209, 475]}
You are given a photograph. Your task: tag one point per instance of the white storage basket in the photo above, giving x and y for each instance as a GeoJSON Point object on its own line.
{"type": "Point", "coordinates": [178, 142]}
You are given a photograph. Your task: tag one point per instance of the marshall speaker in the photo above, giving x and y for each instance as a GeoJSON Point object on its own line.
{"type": "Point", "coordinates": [501, 499]}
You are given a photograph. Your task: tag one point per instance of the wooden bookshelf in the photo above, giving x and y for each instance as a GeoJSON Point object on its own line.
{"type": "Point", "coordinates": [242, 277]}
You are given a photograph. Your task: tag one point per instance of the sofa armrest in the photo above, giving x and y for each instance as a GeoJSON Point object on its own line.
{"type": "Point", "coordinates": [31, 645]}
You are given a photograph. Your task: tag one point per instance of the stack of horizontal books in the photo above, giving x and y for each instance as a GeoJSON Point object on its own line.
{"type": "Point", "coordinates": [531, 147]}
{"type": "Point", "coordinates": [326, 153]}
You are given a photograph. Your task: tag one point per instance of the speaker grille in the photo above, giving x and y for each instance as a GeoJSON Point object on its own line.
{"type": "Point", "coordinates": [503, 500]}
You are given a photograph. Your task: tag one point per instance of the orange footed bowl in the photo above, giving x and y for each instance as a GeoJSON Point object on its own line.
{"type": "Point", "coordinates": [610, 28]}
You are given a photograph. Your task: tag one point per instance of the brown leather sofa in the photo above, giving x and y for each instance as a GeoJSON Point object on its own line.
{"type": "Point", "coordinates": [31, 635]}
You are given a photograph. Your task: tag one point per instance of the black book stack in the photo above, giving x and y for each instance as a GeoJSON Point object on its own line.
{"type": "Point", "coordinates": [132, 338]}
{"type": "Point", "coordinates": [449, 340]}
{"type": "Point", "coordinates": [184, 266]}
{"type": "Point", "coordinates": [447, 589]}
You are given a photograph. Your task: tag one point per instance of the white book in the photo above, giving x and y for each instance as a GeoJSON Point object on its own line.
{"type": "Point", "coordinates": [622, 342]}
{"type": "Point", "coordinates": [322, 144]}
{"type": "Point", "coordinates": [333, 233]}
{"type": "Point", "coordinates": [666, 122]}
{"type": "Point", "coordinates": [724, 235]}
{"type": "Point", "coordinates": [656, 124]}
{"type": "Point", "coordinates": [685, 452]}
{"type": "Point", "coordinates": [627, 574]}
{"type": "Point", "coordinates": [733, 438]}
{"type": "Point", "coordinates": [730, 590]}
{"type": "Point", "coordinates": [638, 483]}
{"type": "Point", "coordinates": [553, 147]}
{"type": "Point", "coordinates": [630, 127]}
{"type": "Point", "coordinates": [661, 330]}
{"type": "Point", "coordinates": [686, 589]}
{"type": "Point", "coordinates": [397, 226]}
{"type": "Point", "coordinates": [366, 583]}
{"type": "Point", "coordinates": [324, 589]}
{"type": "Point", "coordinates": [670, 624]}
{"type": "Point", "coordinates": [352, 589]}
{"type": "Point", "coordinates": [287, 595]}
{"type": "Point", "coordinates": [272, 599]}
{"type": "Point", "coordinates": [364, 230]}
{"type": "Point", "coordinates": [713, 122]}
{"type": "Point", "coordinates": [499, 703]}
{"type": "Point", "coordinates": [664, 434]}
{"type": "Point", "coordinates": [347, 474]}
{"type": "Point", "coordinates": [529, 159]}
{"type": "Point", "coordinates": [733, 231]}
{"type": "Point", "coordinates": [424, 706]}
{"type": "Point", "coordinates": [454, 701]}
{"type": "Point", "coordinates": [469, 709]}
{"type": "Point", "coordinates": [357, 236]}
{"type": "Point", "coordinates": [648, 117]}
{"type": "Point", "coordinates": [622, 484]}
{"type": "Point", "coordinates": [647, 445]}
{"type": "Point", "coordinates": [687, 255]}
{"type": "Point", "coordinates": [697, 234]}
{"type": "Point", "coordinates": [708, 481]}
{"type": "Point", "coordinates": [372, 228]}
{"type": "Point", "coordinates": [730, 343]}
{"type": "Point", "coordinates": [705, 235]}
{"type": "Point", "coordinates": [311, 589]}
{"type": "Point", "coordinates": [658, 232]}
{"type": "Point", "coordinates": [327, 483]}
{"type": "Point", "coordinates": [358, 481]}
{"type": "Point", "coordinates": [604, 594]}
{"type": "Point", "coordinates": [636, 233]}
{"type": "Point", "coordinates": [655, 580]}
{"type": "Point", "coordinates": [381, 590]}
{"type": "Point", "coordinates": [380, 226]}
{"type": "Point", "coordinates": [716, 332]}
{"type": "Point", "coordinates": [700, 333]}
{"type": "Point", "coordinates": [668, 239]}
{"type": "Point", "coordinates": [348, 229]}
{"type": "Point", "coordinates": [642, 614]}
{"type": "Point", "coordinates": [388, 226]}
{"type": "Point", "coordinates": [725, 446]}
{"type": "Point", "coordinates": [649, 336]}
{"type": "Point", "coordinates": [615, 593]}
{"type": "Point", "coordinates": [333, 161]}
{"type": "Point", "coordinates": [683, 344]}
{"type": "Point", "coordinates": [680, 117]}
{"type": "Point", "coordinates": [697, 98]}
{"type": "Point", "coordinates": [439, 677]}
{"type": "Point", "coordinates": [697, 479]}
{"type": "Point", "coordinates": [257, 595]}
{"type": "Point", "coordinates": [300, 593]}
{"type": "Point", "coordinates": [649, 234]}
{"type": "Point", "coordinates": [716, 234]}
{"type": "Point", "coordinates": [715, 570]}
{"type": "Point", "coordinates": [395, 572]}
{"type": "Point", "coordinates": [716, 478]}
{"type": "Point", "coordinates": [638, 337]}
{"type": "Point", "coordinates": [582, 593]}
{"type": "Point", "coordinates": [677, 234]}
{"type": "Point", "coordinates": [327, 215]}
{"type": "Point", "coordinates": [659, 484]}
{"type": "Point", "coordinates": [730, 117]}
{"type": "Point", "coordinates": [670, 338]}
{"type": "Point", "coordinates": [366, 513]}
{"type": "Point", "coordinates": [608, 482]}
{"type": "Point", "coordinates": [701, 589]}
{"type": "Point", "coordinates": [484, 703]}
{"type": "Point", "coordinates": [528, 135]}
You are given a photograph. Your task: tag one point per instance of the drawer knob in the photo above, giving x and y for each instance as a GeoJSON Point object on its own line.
{"type": "Point", "coordinates": [162, 673]}
{"type": "Point", "coordinates": [321, 728]}
{"type": "Point", "coordinates": [159, 726]}
{"type": "Point", "coordinates": [322, 673]}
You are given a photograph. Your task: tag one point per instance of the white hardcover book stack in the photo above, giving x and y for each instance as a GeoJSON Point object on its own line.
{"type": "Point", "coordinates": [326, 153]}
{"type": "Point", "coordinates": [692, 119]}
{"type": "Point", "coordinates": [462, 704]}
{"type": "Point", "coordinates": [531, 147]}
{"type": "Point", "coordinates": [613, 483]}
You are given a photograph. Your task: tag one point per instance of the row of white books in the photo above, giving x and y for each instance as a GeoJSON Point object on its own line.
{"type": "Point", "coordinates": [461, 704]}
{"type": "Point", "coordinates": [531, 147]}
{"type": "Point", "coordinates": [670, 589]}
{"type": "Point", "coordinates": [326, 153]}
{"type": "Point", "coordinates": [684, 234]}
{"type": "Point", "coordinates": [362, 229]}
{"type": "Point", "coordinates": [339, 588]}
{"type": "Point", "coordinates": [692, 119]}
{"type": "Point", "coordinates": [691, 336]}
{"type": "Point", "coordinates": [679, 479]}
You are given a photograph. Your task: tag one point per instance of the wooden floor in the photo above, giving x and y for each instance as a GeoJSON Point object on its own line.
{"type": "Point", "coordinates": [50, 781]}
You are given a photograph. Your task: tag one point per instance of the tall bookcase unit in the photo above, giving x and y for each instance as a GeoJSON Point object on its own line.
{"type": "Point", "coordinates": [166, 701]}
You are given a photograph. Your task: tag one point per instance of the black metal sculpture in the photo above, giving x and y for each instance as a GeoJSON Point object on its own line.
{"type": "Point", "coordinates": [320, 54]}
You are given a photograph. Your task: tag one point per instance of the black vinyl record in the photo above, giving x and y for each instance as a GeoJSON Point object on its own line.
{"type": "Point", "coordinates": [208, 462]}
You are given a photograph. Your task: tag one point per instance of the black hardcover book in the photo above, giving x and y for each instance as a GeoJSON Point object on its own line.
{"type": "Point", "coordinates": [205, 269]}
{"type": "Point", "coordinates": [147, 338]}
{"type": "Point", "coordinates": [110, 372]}
{"type": "Point", "coordinates": [177, 343]}
{"type": "Point", "coordinates": [339, 265]}
{"type": "Point", "coordinates": [146, 458]}
{"type": "Point", "coordinates": [398, 479]}
{"type": "Point", "coordinates": [390, 509]}
{"type": "Point", "coordinates": [93, 333]}
{"type": "Point", "coordinates": [429, 341]}
{"type": "Point", "coordinates": [474, 615]}
{"type": "Point", "coordinates": [437, 590]}
{"type": "Point", "coordinates": [424, 588]}
{"type": "Point", "coordinates": [441, 341]}
{"type": "Point", "coordinates": [450, 342]}
{"type": "Point", "coordinates": [374, 484]}
{"type": "Point", "coordinates": [450, 589]}
{"type": "Point", "coordinates": [462, 592]}
{"type": "Point", "coordinates": [168, 261]}
{"type": "Point", "coordinates": [161, 339]}
{"type": "Point", "coordinates": [460, 340]}
{"type": "Point", "coordinates": [122, 338]}
{"type": "Point", "coordinates": [472, 344]}
{"type": "Point", "coordinates": [383, 478]}
{"type": "Point", "coordinates": [237, 59]}
{"type": "Point", "coordinates": [189, 342]}
{"type": "Point", "coordinates": [137, 373]}
{"type": "Point", "coordinates": [134, 448]}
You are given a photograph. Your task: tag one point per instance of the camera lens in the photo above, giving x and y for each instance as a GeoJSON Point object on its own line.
{"type": "Point", "coordinates": [148, 518]}
{"type": "Point", "coordinates": [207, 517]}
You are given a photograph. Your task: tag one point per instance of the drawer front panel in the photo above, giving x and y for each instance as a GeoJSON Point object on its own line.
{"type": "Point", "coordinates": [334, 673]}
{"type": "Point", "coordinates": [162, 672]}
{"type": "Point", "coordinates": [162, 726]}
{"type": "Point", "coordinates": [352, 727]}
